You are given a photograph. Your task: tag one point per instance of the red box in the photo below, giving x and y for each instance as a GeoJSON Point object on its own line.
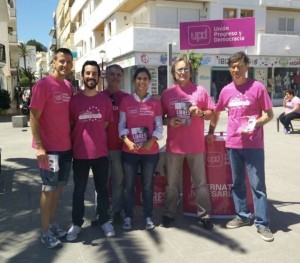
{"type": "Point", "coordinates": [219, 183]}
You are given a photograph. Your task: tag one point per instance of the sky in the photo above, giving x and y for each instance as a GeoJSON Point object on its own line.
{"type": "Point", "coordinates": [35, 20]}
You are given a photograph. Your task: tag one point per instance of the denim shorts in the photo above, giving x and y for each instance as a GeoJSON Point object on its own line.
{"type": "Point", "coordinates": [51, 178]}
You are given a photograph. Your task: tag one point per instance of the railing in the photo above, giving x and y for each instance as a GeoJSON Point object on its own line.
{"type": "Point", "coordinates": [12, 39]}
{"type": "Point", "coordinates": [12, 12]}
{"type": "Point", "coordinates": [278, 32]}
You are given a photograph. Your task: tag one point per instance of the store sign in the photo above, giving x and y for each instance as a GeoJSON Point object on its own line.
{"type": "Point", "coordinates": [239, 32]}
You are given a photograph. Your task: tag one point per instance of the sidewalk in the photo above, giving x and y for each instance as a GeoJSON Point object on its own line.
{"type": "Point", "coordinates": [187, 241]}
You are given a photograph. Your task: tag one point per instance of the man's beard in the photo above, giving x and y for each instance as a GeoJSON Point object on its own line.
{"type": "Point", "coordinates": [86, 84]}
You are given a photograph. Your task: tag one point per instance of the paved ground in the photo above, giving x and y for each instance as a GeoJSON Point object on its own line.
{"type": "Point", "coordinates": [185, 242]}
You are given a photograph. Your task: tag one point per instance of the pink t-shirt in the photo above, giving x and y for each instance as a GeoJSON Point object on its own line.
{"type": "Point", "coordinates": [249, 99]}
{"type": "Point", "coordinates": [51, 97]}
{"type": "Point", "coordinates": [291, 104]}
{"type": "Point", "coordinates": [88, 115]}
{"type": "Point", "coordinates": [113, 139]}
{"type": "Point", "coordinates": [188, 138]}
{"type": "Point", "coordinates": [140, 121]}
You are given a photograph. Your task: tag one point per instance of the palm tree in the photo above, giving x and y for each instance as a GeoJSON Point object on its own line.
{"type": "Point", "coordinates": [30, 74]}
{"type": "Point", "coordinates": [24, 53]}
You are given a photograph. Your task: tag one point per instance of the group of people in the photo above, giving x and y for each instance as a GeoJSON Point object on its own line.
{"type": "Point", "coordinates": [115, 134]}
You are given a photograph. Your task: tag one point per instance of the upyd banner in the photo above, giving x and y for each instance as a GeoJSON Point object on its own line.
{"type": "Point", "coordinates": [236, 32]}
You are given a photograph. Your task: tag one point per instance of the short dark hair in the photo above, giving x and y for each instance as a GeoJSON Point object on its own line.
{"type": "Point", "coordinates": [291, 92]}
{"type": "Point", "coordinates": [241, 55]}
{"type": "Point", "coordinates": [114, 66]}
{"type": "Point", "coordinates": [62, 50]}
{"type": "Point", "coordinates": [90, 63]}
{"type": "Point", "coordinates": [139, 70]}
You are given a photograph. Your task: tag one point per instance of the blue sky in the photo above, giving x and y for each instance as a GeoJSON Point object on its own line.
{"type": "Point", "coordinates": [35, 20]}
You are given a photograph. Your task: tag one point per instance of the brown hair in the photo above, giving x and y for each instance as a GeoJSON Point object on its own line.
{"type": "Point", "coordinates": [187, 63]}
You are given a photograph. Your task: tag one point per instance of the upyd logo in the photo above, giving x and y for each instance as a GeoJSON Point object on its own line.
{"type": "Point", "coordinates": [199, 35]}
{"type": "Point", "coordinates": [214, 159]}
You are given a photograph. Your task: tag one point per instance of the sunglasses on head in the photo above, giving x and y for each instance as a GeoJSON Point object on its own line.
{"type": "Point", "coordinates": [112, 98]}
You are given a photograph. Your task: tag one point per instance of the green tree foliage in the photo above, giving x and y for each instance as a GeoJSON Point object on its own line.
{"type": "Point", "coordinates": [5, 99]}
{"type": "Point", "coordinates": [29, 74]}
{"type": "Point", "coordinates": [39, 46]}
{"type": "Point", "coordinates": [194, 58]}
{"type": "Point", "coordinates": [24, 53]}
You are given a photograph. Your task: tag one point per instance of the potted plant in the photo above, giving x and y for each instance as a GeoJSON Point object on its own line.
{"type": "Point", "coordinates": [5, 101]}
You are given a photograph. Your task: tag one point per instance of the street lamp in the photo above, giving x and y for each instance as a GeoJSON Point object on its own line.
{"type": "Point", "coordinates": [169, 64]}
{"type": "Point", "coordinates": [102, 56]}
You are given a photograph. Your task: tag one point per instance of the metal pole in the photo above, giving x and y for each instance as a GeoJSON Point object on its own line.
{"type": "Point", "coordinates": [102, 67]}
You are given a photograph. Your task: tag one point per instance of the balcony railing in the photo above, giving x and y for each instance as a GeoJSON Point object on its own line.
{"type": "Point", "coordinates": [12, 39]}
{"type": "Point", "coordinates": [279, 32]}
{"type": "Point", "coordinates": [12, 12]}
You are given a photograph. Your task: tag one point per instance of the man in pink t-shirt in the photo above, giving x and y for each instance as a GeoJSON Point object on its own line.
{"type": "Point", "coordinates": [90, 115]}
{"type": "Point", "coordinates": [49, 121]}
{"type": "Point", "coordinates": [249, 108]}
{"type": "Point", "coordinates": [114, 77]}
{"type": "Point", "coordinates": [186, 106]}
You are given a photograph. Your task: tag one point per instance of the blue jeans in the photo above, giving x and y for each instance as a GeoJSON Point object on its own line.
{"type": "Point", "coordinates": [81, 168]}
{"type": "Point", "coordinates": [117, 179]}
{"type": "Point", "coordinates": [254, 161]}
{"type": "Point", "coordinates": [131, 163]}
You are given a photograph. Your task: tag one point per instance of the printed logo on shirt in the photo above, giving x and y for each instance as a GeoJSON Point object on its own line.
{"type": "Point", "coordinates": [92, 114]}
{"type": "Point", "coordinates": [135, 111]}
{"type": "Point", "coordinates": [61, 97]}
{"type": "Point", "coordinates": [140, 135]}
{"type": "Point", "coordinates": [240, 101]}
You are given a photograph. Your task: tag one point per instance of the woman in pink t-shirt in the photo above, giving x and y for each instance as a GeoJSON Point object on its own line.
{"type": "Point", "coordinates": [140, 127]}
{"type": "Point", "coordinates": [291, 103]}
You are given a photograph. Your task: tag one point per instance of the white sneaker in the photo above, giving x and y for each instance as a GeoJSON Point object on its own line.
{"type": "Point", "coordinates": [57, 230]}
{"type": "Point", "coordinates": [108, 229]}
{"type": "Point", "coordinates": [73, 233]}
{"type": "Point", "coordinates": [149, 223]}
{"type": "Point", "coordinates": [127, 223]}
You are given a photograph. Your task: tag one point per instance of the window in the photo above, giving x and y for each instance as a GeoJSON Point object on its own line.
{"type": "Point", "coordinates": [2, 53]}
{"type": "Point", "coordinates": [229, 13]}
{"type": "Point", "coordinates": [286, 24]}
{"type": "Point", "coordinates": [247, 13]}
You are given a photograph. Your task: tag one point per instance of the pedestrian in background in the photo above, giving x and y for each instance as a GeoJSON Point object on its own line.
{"type": "Point", "coordinates": [291, 103]}
{"type": "Point", "coordinates": [140, 127]}
{"type": "Point", "coordinates": [249, 109]}
{"type": "Point", "coordinates": [186, 106]}
{"type": "Point", "coordinates": [49, 121]}
{"type": "Point", "coordinates": [90, 115]}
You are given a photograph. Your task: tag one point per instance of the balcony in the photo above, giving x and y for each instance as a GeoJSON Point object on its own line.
{"type": "Point", "coordinates": [286, 4]}
{"type": "Point", "coordinates": [278, 44]}
{"type": "Point", "coordinates": [12, 13]}
{"type": "Point", "coordinates": [53, 44]}
{"type": "Point", "coordinates": [12, 39]}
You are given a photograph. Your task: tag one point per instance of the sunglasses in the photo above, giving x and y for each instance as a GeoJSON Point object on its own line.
{"type": "Point", "coordinates": [183, 70]}
{"type": "Point", "coordinates": [112, 98]}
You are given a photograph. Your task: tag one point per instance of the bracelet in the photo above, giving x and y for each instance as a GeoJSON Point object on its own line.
{"type": "Point", "coordinates": [38, 142]}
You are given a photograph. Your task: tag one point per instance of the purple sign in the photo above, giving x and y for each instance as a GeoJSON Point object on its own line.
{"type": "Point", "coordinates": [238, 32]}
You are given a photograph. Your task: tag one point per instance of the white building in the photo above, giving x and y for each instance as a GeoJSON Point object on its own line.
{"type": "Point", "coordinates": [8, 45]}
{"type": "Point", "coordinates": [138, 33]}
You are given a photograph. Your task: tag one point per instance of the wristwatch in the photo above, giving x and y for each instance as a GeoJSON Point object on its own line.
{"type": "Point", "coordinates": [123, 137]}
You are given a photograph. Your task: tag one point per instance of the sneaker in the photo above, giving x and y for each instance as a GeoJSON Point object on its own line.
{"type": "Point", "coordinates": [57, 230]}
{"type": "Point", "coordinates": [127, 223]}
{"type": "Point", "coordinates": [108, 229]}
{"type": "Point", "coordinates": [207, 223]}
{"type": "Point", "coordinates": [73, 233]}
{"type": "Point", "coordinates": [265, 234]}
{"type": "Point", "coordinates": [286, 131]}
{"type": "Point", "coordinates": [238, 222]}
{"type": "Point", "coordinates": [167, 221]}
{"type": "Point", "coordinates": [49, 240]}
{"type": "Point", "coordinates": [149, 223]}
